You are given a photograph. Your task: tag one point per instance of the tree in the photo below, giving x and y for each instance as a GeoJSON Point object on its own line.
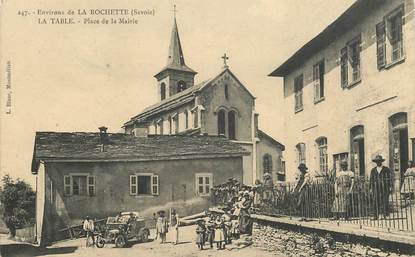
{"type": "Point", "coordinates": [18, 200]}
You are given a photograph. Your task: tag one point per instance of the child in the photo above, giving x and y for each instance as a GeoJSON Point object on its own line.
{"type": "Point", "coordinates": [161, 226]}
{"type": "Point", "coordinates": [200, 231]}
{"type": "Point", "coordinates": [210, 226]}
{"type": "Point", "coordinates": [219, 235]}
{"type": "Point", "coordinates": [235, 228]}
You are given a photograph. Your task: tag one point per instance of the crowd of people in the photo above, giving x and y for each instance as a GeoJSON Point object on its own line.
{"type": "Point", "coordinates": [337, 192]}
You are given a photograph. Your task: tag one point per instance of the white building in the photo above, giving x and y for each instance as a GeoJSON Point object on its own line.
{"type": "Point", "coordinates": [350, 91]}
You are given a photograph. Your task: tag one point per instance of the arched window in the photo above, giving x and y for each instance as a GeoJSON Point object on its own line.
{"type": "Point", "coordinates": [162, 91]}
{"type": "Point", "coordinates": [267, 163]}
{"type": "Point", "coordinates": [221, 122]}
{"type": "Point", "coordinates": [181, 86]}
{"type": "Point", "coordinates": [300, 148]}
{"type": "Point", "coordinates": [232, 125]}
{"type": "Point", "coordinates": [322, 153]}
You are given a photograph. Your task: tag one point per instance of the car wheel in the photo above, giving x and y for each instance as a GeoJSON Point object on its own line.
{"type": "Point", "coordinates": [100, 242]}
{"type": "Point", "coordinates": [120, 241]}
{"type": "Point", "coordinates": [144, 237]}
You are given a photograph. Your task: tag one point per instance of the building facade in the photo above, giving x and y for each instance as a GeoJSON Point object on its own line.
{"type": "Point", "coordinates": [79, 174]}
{"type": "Point", "coordinates": [350, 91]}
{"type": "Point", "coordinates": [220, 106]}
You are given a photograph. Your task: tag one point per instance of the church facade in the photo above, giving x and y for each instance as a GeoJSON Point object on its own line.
{"type": "Point", "coordinates": [221, 106]}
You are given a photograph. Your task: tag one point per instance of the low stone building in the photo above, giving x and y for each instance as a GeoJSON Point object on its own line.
{"type": "Point", "coordinates": [100, 174]}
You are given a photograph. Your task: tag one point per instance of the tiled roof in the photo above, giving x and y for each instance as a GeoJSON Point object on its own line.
{"type": "Point", "coordinates": [262, 134]}
{"type": "Point", "coordinates": [353, 15]}
{"type": "Point", "coordinates": [86, 146]}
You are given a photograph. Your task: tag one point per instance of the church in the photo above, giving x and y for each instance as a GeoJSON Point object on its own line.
{"type": "Point", "coordinates": [222, 106]}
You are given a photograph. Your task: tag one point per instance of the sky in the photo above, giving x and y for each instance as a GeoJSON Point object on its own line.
{"type": "Point", "coordinates": [78, 77]}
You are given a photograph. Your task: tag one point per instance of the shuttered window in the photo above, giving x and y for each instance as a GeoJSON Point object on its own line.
{"type": "Point", "coordinates": [318, 79]}
{"type": "Point", "coordinates": [381, 44]}
{"type": "Point", "coordinates": [343, 67]}
{"type": "Point", "coordinates": [298, 93]}
{"type": "Point", "coordinates": [144, 184]}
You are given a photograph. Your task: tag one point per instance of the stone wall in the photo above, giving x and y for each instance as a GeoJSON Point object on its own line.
{"type": "Point", "coordinates": [294, 241]}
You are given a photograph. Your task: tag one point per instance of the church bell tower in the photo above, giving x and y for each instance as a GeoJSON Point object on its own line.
{"type": "Point", "coordinates": [176, 76]}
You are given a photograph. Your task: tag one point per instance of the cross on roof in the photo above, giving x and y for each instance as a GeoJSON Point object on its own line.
{"type": "Point", "coordinates": [174, 11]}
{"type": "Point", "coordinates": [225, 58]}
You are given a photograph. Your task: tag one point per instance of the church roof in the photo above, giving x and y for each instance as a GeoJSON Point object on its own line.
{"type": "Point", "coordinates": [178, 99]}
{"type": "Point", "coordinates": [262, 134]}
{"type": "Point", "coordinates": [85, 146]}
{"type": "Point", "coordinates": [175, 60]}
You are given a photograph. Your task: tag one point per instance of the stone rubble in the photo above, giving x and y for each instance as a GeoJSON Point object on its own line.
{"type": "Point", "coordinates": [296, 244]}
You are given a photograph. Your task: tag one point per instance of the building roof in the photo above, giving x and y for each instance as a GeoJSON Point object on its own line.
{"type": "Point", "coordinates": [86, 146]}
{"type": "Point", "coordinates": [175, 60]}
{"type": "Point", "coordinates": [353, 15]}
{"type": "Point", "coordinates": [178, 99]}
{"type": "Point", "coordinates": [262, 134]}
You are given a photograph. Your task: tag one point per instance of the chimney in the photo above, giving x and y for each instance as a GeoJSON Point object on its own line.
{"type": "Point", "coordinates": [103, 137]}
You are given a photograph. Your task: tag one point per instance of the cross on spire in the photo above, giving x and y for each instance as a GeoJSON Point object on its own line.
{"type": "Point", "coordinates": [225, 59]}
{"type": "Point", "coordinates": [174, 11]}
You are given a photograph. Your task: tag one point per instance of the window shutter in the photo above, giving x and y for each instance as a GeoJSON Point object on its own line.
{"type": "Point", "coordinates": [381, 44]}
{"type": "Point", "coordinates": [67, 185]}
{"type": "Point", "coordinates": [155, 185]}
{"type": "Point", "coordinates": [316, 80]}
{"type": "Point", "coordinates": [133, 185]}
{"type": "Point", "coordinates": [91, 185]}
{"type": "Point", "coordinates": [344, 67]}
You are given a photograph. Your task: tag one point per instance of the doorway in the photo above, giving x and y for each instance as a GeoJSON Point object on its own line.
{"type": "Point", "coordinates": [399, 146]}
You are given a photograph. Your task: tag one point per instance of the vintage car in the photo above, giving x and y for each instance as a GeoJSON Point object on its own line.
{"type": "Point", "coordinates": [124, 228]}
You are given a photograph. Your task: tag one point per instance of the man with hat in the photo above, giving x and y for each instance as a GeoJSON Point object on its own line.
{"type": "Point", "coordinates": [380, 187]}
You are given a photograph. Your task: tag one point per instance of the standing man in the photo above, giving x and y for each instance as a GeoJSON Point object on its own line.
{"type": "Point", "coordinates": [89, 230]}
{"type": "Point", "coordinates": [174, 227]}
{"type": "Point", "coordinates": [380, 187]}
{"type": "Point", "coordinates": [302, 190]}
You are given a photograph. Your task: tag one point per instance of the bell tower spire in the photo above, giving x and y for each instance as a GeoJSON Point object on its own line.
{"type": "Point", "coordinates": [176, 76]}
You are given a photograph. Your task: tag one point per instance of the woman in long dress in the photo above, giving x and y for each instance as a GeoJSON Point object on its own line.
{"type": "Point", "coordinates": [408, 186]}
{"type": "Point", "coordinates": [343, 188]}
{"type": "Point", "coordinates": [219, 234]}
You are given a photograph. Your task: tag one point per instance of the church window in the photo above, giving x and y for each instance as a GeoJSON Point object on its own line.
{"type": "Point", "coordinates": [144, 184]}
{"type": "Point", "coordinates": [175, 124]}
{"type": "Point", "coordinates": [322, 153]}
{"type": "Point", "coordinates": [267, 163]}
{"type": "Point", "coordinates": [162, 91]}
{"type": "Point", "coordinates": [159, 127]}
{"type": "Point", "coordinates": [181, 86]}
{"type": "Point", "coordinates": [221, 122]}
{"type": "Point", "coordinates": [204, 183]}
{"type": "Point", "coordinates": [232, 125]}
{"type": "Point", "coordinates": [226, 92]}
